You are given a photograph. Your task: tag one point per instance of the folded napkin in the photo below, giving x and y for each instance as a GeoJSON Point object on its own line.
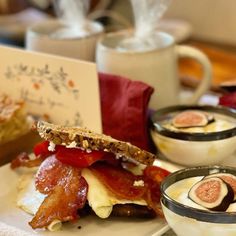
{"type": "Point", "coordinates": [124, 105]}
{"type": "Point", "coordinates": [228, 100]}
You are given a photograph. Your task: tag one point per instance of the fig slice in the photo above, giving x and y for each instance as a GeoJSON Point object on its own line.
{"type": "Point", "coordinates": [228, 178]}
{"type": "Point", "coordinates": [212, 193]}
{"type": "Point", "coordinates": [191, 118]}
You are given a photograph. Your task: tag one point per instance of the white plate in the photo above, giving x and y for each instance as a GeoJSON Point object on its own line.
{"type": "Point", "coordinates": [13, 221]}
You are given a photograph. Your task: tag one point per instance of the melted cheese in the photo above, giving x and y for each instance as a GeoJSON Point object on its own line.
{"type": "Point", "coordinates": [100, 199]}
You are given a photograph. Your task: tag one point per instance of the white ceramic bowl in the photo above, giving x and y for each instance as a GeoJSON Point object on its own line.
{"type": "Point", "coordinates": [194, 149]}
{"type": "Point", "coordinates": [186, 220]}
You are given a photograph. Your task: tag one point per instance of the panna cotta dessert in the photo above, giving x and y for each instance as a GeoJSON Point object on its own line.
{"type": "Point", "coordinates": [201, 201]}
{"type": "Point", "coordinates": [195, 135]}
{"type": "Point", "coordinates": [209, 193]}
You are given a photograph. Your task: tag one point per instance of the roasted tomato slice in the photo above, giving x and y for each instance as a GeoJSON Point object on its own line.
{"type": "Point", "coordinates": [41, 149]}
{"type": "Point", "coordinates": [74, 156]}
{"type": "Point", "coordinates": [155, 173]}
{"type": "Point", "coordinates": [77, 157]}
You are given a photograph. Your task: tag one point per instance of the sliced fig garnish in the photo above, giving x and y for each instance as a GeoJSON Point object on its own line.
{"type": "Point", "coordinates": [212, 193]}
{"type": "Point", "coordinates": [228, 178]}
{"type": "Point", "coordinates": [190, 118]}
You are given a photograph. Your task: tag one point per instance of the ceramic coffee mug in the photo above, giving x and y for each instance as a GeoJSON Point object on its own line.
{"type": "Point", "coordinates": [157, 67]}
{"type": "Point", "coordinates": [39, 37]}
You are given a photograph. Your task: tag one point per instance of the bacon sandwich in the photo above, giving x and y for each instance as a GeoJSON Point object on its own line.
{"type": "Point", "coordinates": [77, 169]}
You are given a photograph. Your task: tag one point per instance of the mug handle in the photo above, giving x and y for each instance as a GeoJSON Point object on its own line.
{"type": "Point", "coordinates": [190, 52]}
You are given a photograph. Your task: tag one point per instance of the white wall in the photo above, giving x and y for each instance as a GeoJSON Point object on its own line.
{"type": "Point", "coordinates": [213, 20]}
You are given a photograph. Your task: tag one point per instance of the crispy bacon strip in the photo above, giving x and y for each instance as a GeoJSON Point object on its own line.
{"type": "Point", "coordinates": [50, 174]}
{"type": "Point", "coordinates": [119, 181]}
{"type": "Point", "coordinates": [24, 160]}
{"type": "Point", "coordinates": [64, 199]}
{"type": "Point", "coordinates": [152, 197]}
{"type": "Point", "coordinates": [153, 176]}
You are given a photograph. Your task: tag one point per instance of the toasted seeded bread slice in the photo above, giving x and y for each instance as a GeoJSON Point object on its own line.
{"type": "Point", "coordinates": [84, 138]}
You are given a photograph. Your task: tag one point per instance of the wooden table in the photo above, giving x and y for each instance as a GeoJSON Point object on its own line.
{"type": "Point", "coordinates": [223, 59]}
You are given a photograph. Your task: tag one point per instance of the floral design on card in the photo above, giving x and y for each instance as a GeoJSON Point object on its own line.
{"type": "Point", "coordinates": [57, 79]}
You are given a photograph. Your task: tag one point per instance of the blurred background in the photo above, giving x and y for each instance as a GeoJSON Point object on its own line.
{"type": "Point", "coordinates": [206, 24]}
{"type": "Point", "coordinates": [210, 20]}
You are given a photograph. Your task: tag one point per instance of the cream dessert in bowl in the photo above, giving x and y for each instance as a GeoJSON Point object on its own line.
{"type": "Point", "coordinates": [195, 135]}
{"type": "Point", "coordinates": [185, 215]}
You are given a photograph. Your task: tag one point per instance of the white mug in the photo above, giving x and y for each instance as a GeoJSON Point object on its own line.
{"type": "Point", "coordinates": [39, 38]}
{"type": "Point", "coordinates": [157, 67]}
